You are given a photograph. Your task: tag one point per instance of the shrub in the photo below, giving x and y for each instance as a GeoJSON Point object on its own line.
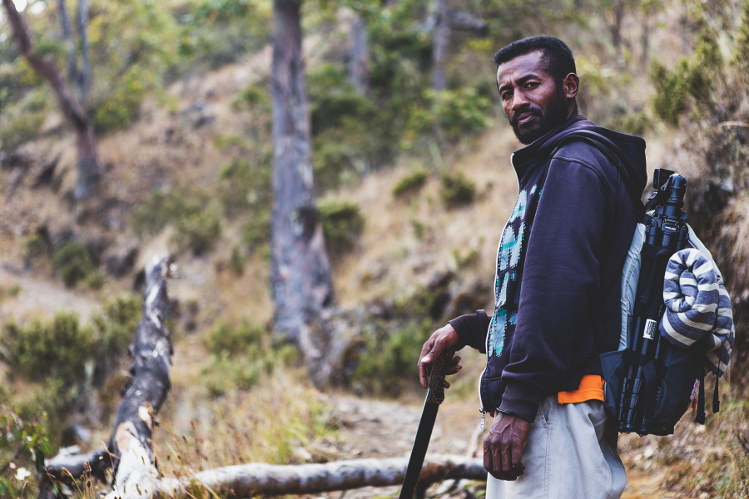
{"type": "Point", "coordinates": [115, 326]}
{"type": "Point", "coordinates": [21, 128]}
{"type": "Point", "coordinates": [256, 97]}
{"type": "Point", "coordinates": [198, 228]}
{"type": "Point", "coordinates": [245, 186]}
{"type": "Point", "coordinates": [226, 373]}
{"type": "Point", "coordinates": [387, 363]}
{"type": "Point", "coordinates": [410, 184]}
{"type": "Point", "coordinates": [58, 349]}
{"type": "Point", "coordinates": [450, 114]}
{"type": "Point", "coordinates": [342, 223]}
{"type": "Point", "coordinates": [457, 190]}
{"type": "Point", "coordinates": [194, 214]}
{"type": "Point", "coordinates": [256, 230]}
{"type": "Point", "coordinates": [236, 262]}
{"type": "Point", "coordinates": [72, 261]}
{"type": "Point", "coordinates": [230, 340]}
{"type": "Point", "coordinates": [118, 109]}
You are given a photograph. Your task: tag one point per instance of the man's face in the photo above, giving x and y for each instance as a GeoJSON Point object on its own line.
{"type": "Point", "coordinates": [530, 98]}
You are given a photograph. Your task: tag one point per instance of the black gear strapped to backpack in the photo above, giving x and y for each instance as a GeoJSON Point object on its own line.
{"type": "Point", "coordinates": [650, 383]}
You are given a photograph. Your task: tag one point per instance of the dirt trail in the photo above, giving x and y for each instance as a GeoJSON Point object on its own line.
{"type": "Point", "coordinates": [372, 428]}
{"type": "Point", "coordinates": [37, 298]}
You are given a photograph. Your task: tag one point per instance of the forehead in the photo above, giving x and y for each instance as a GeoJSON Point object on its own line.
{"type": "Point", "coordinates": [522, 65]}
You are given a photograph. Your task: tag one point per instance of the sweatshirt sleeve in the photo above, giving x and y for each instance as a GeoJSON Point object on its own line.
{"type": "Point", "coordinates": [471, 329]}
{"type": "Point", "coordinates": [560, 280]}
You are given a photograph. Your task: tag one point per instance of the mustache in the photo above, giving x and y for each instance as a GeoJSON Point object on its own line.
{"type": "Point", "coordinates": [535, 110]}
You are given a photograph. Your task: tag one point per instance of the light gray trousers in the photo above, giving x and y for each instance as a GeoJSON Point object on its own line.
{"type": "Point", "coordinates": [570, 454]}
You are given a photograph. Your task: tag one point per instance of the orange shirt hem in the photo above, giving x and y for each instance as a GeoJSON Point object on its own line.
{"type": "Point", "coordinates": [591, 388]}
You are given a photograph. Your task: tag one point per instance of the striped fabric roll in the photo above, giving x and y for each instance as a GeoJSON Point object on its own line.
{"type": "Point", "coordinates": [697, 306]}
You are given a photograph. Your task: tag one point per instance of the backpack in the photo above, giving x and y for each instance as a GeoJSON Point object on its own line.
{"type": "Point", "coordinates": [674, 380]}
{"type": "Point", "coordinates": [670, 379]}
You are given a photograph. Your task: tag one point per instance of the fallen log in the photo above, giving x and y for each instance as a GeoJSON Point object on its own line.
{"type": "Point", "coordinates": [129, 456]}
{"type": "Point", "coordinates": [246, 480]}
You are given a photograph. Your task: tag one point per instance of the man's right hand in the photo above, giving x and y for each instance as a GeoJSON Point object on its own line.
{"type": "Point", "coordinates": [443, 338]}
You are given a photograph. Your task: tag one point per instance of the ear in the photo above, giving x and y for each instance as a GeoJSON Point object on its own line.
{"type": "Point", "coordinates": [571, 85]}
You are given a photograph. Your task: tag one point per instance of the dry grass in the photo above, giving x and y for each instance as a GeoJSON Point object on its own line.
{"type": "Point", "coordinates": [275, 422]}
{"type": "Point", "coordinates": [392, 260]}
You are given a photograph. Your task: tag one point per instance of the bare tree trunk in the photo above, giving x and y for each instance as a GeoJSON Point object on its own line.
{"type": "Point", "coordinates": [256, 479]}
{"type": "Point", "coordinates": [129, 456]}
{"type": "Point", "coordinates": [88, 165]}
{"type": "Point", "coordinates": [85, 74]}
{"type": "Point", "coordinates": [359, 62]}
{"type": "Point", "coordinates": [440, 43]}
{"type": "Point", "coordinates": [300, 270]}
{"type": "Point", "coordinates": [645, 42]}
{"type": "Point", "coordinates": [67, 36]}
{"type": "Point", "coordinates": [616, 27]}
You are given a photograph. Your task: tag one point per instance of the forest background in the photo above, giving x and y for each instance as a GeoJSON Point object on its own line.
{"type": "Point", "coordinates": [410, 153]}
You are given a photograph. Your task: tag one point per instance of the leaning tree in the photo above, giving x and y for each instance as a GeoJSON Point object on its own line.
{"type": "Point", "coordinates": [73, 107]}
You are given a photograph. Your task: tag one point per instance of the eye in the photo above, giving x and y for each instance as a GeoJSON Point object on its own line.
{"type": "Point", "coordinates": [531, 84]}
{"type": "Point", "coordinates": [505, 95]}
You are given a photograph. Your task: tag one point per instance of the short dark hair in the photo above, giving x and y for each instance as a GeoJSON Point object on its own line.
{"type": "Point", "coordinates": [557, 55]}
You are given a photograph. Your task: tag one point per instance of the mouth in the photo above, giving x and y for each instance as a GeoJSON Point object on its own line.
{"type": "Point", "coordinates": [525, 118]}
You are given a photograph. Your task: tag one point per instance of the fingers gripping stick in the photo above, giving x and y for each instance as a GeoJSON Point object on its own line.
{"type": "Point", "coordinates": [435, 396]}
{"type": "Point", "coordinates": [436, 392]}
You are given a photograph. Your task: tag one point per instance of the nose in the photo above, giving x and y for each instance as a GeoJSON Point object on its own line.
{"type": "Point", "coordinates": [519, 100]}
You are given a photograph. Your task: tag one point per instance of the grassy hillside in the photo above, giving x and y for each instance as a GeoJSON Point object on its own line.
{"type": "Point", "coordinates": [414, 188]}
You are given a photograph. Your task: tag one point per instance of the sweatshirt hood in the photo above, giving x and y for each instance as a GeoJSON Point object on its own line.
{"type": "Point", "coordinates": [628, 148]}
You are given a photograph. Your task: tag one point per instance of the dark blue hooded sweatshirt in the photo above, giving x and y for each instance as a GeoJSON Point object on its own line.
{"type": "Point", "coordinates": [559, 263]}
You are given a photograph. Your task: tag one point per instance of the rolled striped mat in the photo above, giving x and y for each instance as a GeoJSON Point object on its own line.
{"type": "Point", "coordinates": [697, 306]}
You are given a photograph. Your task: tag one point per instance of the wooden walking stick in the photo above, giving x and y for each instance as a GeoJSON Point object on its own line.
{"type": "Point", "coordinates": [435, 396]}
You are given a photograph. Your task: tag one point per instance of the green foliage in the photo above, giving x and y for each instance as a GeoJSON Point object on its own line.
{"type": "Point", "coordinates": [122, 106]}
{"type": "Point", "coordinates": [349, 134]}
{"type": "Point", "coordinates": [230, 340]}
{"type": "Point", "coordinates": [690, 86]}
{"type": "Point", "coordinates": [20, 129]}
{"type": "Point", "coordinates": [246, 186]}
{"type": "Point", "coordinates": [58, 349]}
{"type": "Point", "coordinates": [457, 190]}
{"type": "Point", "coordinates": [238, 358]}
{"type": "Point", "coordinates": [256, 98]}
{"type": "Point", "coordinates": [410, 184]}
{"type": "Point", "coordinates": [24, 442]}
{"type": "Point", "coordinates": [225, 373]}
{"type": "Point", "coordinates": [132, 49]}
{"type": "Point", "coordinates": [195, 215]}
{"type": "Point", "coordinates": [216, 32]}
{"type": "Point", "coordinates": [342, 224]}
{"type": "Point", "coordinates": [449, 114]}
{"type": "Point", "coordinates": [388, 359]}
{"type": "Point", "coordinates": [23, 119]}
{"type": "Point", "coordinates": [237, 260]}
{"type": "Point", "coordinates": [72, 261]}
{"type": "Point", "coordinates": [115, 327]}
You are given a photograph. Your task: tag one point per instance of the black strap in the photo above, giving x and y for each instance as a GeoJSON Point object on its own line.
{"type": "Point", "coordinates": [651, 383]}
{"type": "Point", "coordinates": [611, 156]}
{"type": "Point", "coordinates": [700, 417]}
{"type": "Point", "coordinates": [716, 396]}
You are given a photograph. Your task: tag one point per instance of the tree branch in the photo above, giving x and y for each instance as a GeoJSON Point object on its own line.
{"type": "Point", "coordinates": [130, 456]}
{"type": "Point", "coordinates": [70, 108]}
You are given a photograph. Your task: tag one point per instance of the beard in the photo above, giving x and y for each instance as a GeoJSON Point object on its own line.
{"type": "Point", "coordinates": [556, 114]}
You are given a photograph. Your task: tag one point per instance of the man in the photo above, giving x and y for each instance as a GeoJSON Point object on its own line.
{"type": "Point", "coordinates": [557, 288]}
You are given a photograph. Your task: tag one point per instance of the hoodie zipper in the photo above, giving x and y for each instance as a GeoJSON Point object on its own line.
{"type": "Point", "coordinates": [482, 410]}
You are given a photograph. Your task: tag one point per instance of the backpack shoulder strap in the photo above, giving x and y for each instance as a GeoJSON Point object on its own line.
{"type": "Point", "coordinates": [614, 159]}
